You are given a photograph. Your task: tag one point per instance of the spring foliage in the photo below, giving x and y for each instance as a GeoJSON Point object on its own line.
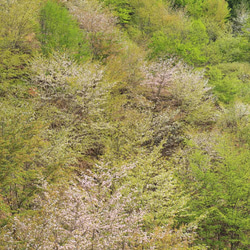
{"type": "Point", "coordinates": [60, 32]}
{"type": "Point", "coordinates": [124, 124]}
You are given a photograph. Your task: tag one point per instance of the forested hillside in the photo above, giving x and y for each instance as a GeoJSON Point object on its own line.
{"type": "Point", "coordinates": [124, 124]}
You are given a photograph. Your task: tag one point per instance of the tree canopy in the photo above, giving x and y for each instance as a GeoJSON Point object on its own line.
{"type": "Point", "coordinates": [124, 124]}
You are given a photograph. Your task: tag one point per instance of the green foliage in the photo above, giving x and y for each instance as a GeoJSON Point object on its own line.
{"type": "Point", "coordinates": [123, 9]}
{"type": "Point", "coordinates": [226, 49]}
{"type": "Point", "coordinates": [231, 82]}
{"type": "Point", "coordinates": [75, 97]}
{"type": "Point", "coordinates": [30, 153]}
{"type": "Point", "coordinates": [235, 119]}
{"type": "Point", "coordinates": [194, 7]}
{"type": "Point", "coordinates": [104, 37]}
{"type": "Point", "coordinates": [189, 39]}
{"type": "Point", "coordinates": [213, 13]}
{"type": "Point", "coordinates": [186, 42]}
{"type": "Point", "coordinates": [14, 72]}
{"type": "Point", "coordinates": [60, 32]}
{"type": "Point", "coordinates": [159, 192]}
{"type": "Point", "coordinates": [186, 87]}
{"type": "Point", "coordinates": [18, 21]}
{"type": "Point", "coordinates": [126, 67]}
{"type": "Point", "coordinates": [219, 172]}
{"type": "Point", "coordinates": [20, 144]}
{"type": "Point", "coordinates": [170, 31]}
{"type": "Point", "coordinates": [246, 34]}
{"type": "Point", "coordinates": [103, 142]}
{"type": "Point", "coordinates": [205, 8]}
{"type": "Point", "coordinates": [235, 5]}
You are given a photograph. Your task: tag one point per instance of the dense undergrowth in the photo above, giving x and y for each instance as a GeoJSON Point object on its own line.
{"type": "Point", "coordinates": [124, 124]}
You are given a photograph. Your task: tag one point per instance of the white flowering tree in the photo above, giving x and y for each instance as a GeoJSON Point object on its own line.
{"type": "Point", "coordinates": [92, 213]}
{"type": "Point", "coordinates": [100, 24]}
{"type": "Point", "coordinates": [73, 97]}
{"type": "Point", "coordinates": [185, 87]}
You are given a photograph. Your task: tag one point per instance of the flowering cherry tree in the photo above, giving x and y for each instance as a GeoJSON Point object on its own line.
{"type": "Point", "coordinates": [187, 88]}
{"type": "Point", "coordinates": [92, 213]}
{"type": "Point", "coordinates": [100, 25]}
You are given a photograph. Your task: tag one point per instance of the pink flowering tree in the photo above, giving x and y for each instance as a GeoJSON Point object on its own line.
{"type": "Point", "coordinates": [184, 87]}
{"type": "Point", "coordinates": [91, 213]}
{"type": "Point", "coordinates": [100, 25]}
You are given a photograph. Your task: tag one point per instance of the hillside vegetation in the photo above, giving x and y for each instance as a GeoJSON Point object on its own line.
{"type": "Point", "coordinates": [124, 124]}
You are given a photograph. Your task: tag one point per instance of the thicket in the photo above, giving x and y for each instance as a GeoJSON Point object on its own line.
{"type": "Point", "coordinates": [60, 32]}
{"type": "Point", "coordinates": [124, 124]}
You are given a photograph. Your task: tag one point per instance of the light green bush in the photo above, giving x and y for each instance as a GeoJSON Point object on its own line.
{"type": "Point", "coordinates": [60, 32]}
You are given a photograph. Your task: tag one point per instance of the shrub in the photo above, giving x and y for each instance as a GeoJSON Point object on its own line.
{"type": "Point", "coordinates": [188, 88]}
{"type": "Point", "coordinates": [60, 32]}
{"type": "Point", "coordinates": [231, 82]}
{"type": "Point", "coordinates": [236, 119]}
{"type": "Point", "coordinates": [18, 21]}
{"type": "Point", "coordinates": [186, 41]}
{"type": "Point", "coordinates": [103, 35]}
{"type": "Point", "coordinates": [90, 213]}
{"type": "Point", "coordinates": [219, 173]}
